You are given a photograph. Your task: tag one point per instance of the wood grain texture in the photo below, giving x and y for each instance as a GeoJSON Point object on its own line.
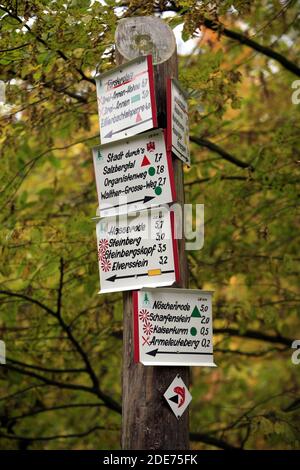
{"type": "Point", "coordinates": [148, 422]}
{"type": "Point", "coordinates": [143, 35]}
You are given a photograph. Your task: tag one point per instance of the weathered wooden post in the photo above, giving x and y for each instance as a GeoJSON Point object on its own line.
{"type": "Point", "coordinates": [147, 420]}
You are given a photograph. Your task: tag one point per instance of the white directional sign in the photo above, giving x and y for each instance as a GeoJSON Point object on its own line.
{"type": "Point", "coordinates": [177, 121]}
{"type": "Point", "coordinates": [126, 100]}
{"type": "Point", "coordinates": [173, 327]}
{"type": "Point", "coordinates": [178, 396]}
{"type": "Point", "coordinates": [135, 252]}
{"type": "Point", "coordinates": [133, 174]}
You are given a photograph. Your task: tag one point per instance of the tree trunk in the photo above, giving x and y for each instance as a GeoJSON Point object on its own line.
{"type": "Point", "coordinates": [148, 422]}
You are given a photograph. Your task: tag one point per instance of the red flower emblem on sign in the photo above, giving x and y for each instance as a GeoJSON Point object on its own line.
{"type": "Point", "coordinates": [103, 244]}
{"type": "Point", "coordinates": [144, 315]}
{"type": "Point", "coordinates": [105, 265]}
{"type": "Point", "coordinates": [102, 248]}
{"type": "Point", "coordinates": [148, 328]}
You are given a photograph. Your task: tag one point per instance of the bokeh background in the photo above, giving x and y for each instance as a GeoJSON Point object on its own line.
{"type": "Point", "coordinates": [61, 386]}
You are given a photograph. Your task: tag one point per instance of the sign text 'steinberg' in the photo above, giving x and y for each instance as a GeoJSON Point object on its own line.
{"type": "Point", "coordinates": [135, 252]}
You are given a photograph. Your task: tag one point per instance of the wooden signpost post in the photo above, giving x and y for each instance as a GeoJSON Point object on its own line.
{"type": "Point", "coordinates": [144, 129]}
{"type": "Point", "coordinates": [147, 422]}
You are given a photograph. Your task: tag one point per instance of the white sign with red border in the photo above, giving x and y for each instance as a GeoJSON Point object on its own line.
{"type": "Point", "coordinates": [133, 174]}
{"type": "Point", "coordinates": [126, 100]}
{"type": "Point", "coordinates": [136, 252]}
{"type": "Point", "coordinates": [173, 327]}
{"type": "Point", "coordinates": [177, 121]}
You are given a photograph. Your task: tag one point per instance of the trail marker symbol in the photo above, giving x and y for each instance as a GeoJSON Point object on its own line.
{"type": "Point", "coordinates": [178, 396]}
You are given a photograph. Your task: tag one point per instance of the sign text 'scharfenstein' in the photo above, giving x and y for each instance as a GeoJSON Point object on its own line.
{"type": "Point", "coordinates": [173, 327]}
{"type": "Point", "coordinates": [177, 121]}
{"type": "Point", "coordinates": [126, 100]}
{"type": "Point", "coordinates": [135, 252]}
{"type": "Point", "coordinates": [133, 174]}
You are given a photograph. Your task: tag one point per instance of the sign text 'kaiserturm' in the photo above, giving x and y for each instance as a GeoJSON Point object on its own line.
{"type": "Point", "coordinates": [126, 100]}
{"type": "Point", "coordinates": [135, 252]}
{"type": "Point", "coordinates": [133, 174]}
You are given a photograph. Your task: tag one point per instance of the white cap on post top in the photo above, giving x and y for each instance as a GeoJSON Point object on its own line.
{"type": "Point", "coordinates": [144, 35]}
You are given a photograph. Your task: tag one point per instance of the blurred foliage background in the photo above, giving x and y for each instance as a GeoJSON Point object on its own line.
{"type": "Point", "coordinates": [61, 386]}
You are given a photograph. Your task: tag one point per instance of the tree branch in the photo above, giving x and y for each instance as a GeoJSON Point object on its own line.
{"type": "Point", "coordinates": [220, 151]}
{"type": "Point", "coordinates": [47, 381]}
{"type": "Point", "coordinates": [244, 40]}
{"type": "Point", "coordinates": [96, 386]}
{"type": "Point", "coordinates": [21, 392]}
{"type": "Point", "coordinates": [250, 353]}
{"type": "Point", "coordinates": [44, 369]}
{"type": "Point", "coordinates": [67, 92]}
{"type": "Point", "coordinates": [60, 287]}
{"type": "Point", "coordinates": [41, 41]}
{"type": "Point", "coordinates": [295, 405]}
{"type": "Point", "coordinates": [110, 403]}
{"type": "Point", "coordinates": [29, 299]}
{"type": "Point", "coordinates": [213, 441]}
{"type": "Point", "coordinates": [58, 436]}
{"type": "Point", "coordinates": [205, 438]}
{"type": "Point", "coordinates": [15, 48]}
{"type": "Point", "coordinates": [252, 334]}
{"type": "Point", "coordinates": [55, 408]}
{"type": "Point", "coordinates": [222, 178]}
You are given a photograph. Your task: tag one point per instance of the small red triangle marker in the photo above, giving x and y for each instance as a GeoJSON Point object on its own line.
{"type": "Point", "coordinates": [138, 117]}
{"type": "Point", "coordinates": [145, 161]}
